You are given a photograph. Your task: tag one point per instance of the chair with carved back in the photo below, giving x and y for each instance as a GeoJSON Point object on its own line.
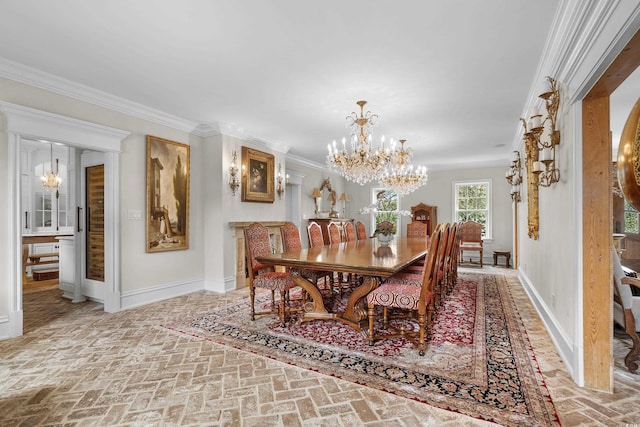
{"type": "Point", "coordinates": [417, 229]}
{"type": "Point", "coordinates": [445, 277]}
{"type": "Point", "coordinates": [626, 309]}
{"type": "Point", "coordinates": [335, 236]}
{"type": "Point", "coordinates": [291, 242]}
{"type": "Point", "coordinates": [345, 281]}
{"type": "Point", "coordinates": [417, 300]}
{"type": "Point", "coordinates": [349, 232]}
{"type": "Point", "coordinates": [314, 233]}
{"type": "Point", "coordinates": [471, 239]}
{"type": "Point", "coordinates": [361, 231]}
{"type": "Point", "coordinates": [258, 243]}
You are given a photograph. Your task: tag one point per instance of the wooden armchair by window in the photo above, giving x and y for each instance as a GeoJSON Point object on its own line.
{"type": "Point", "coordinates": [257, 241]}
{"type": "Point", "coordinates": [626, 310]}
{"type": "Point", "coordinates": [471, 239]}
{"type": "Point", "coordinates": [417, 229]}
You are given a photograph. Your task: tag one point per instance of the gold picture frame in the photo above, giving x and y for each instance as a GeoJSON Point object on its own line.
{"type": "Point", "coordinates": [168, 177]}
{"type": "Point", "coordinates": [257, 176]}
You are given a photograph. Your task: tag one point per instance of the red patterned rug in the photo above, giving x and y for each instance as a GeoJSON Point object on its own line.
{"type": "Point", "coordinates": [479, 361]}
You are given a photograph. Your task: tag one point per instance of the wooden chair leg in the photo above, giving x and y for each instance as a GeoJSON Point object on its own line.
{"type": "Point", "coordinates": [370, 314]}
{"type": "Point", "coordinates": [630, 329]}
{"type": "Point", "coordinates": [422, 341]}
{"type": "Point", "coordinates": [283, 302]}
{"type": "Point", "coordinates": [385, 317]}
{"type": "Point", "coordinates": [252, 297]}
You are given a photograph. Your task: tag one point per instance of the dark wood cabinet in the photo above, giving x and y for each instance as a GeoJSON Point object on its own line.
{"type": "Point", "coordinates": [427, 214]}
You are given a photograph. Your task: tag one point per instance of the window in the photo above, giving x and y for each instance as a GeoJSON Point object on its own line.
{"type": "Point", "coordinates": [386, 207]}
{"type": "Point", "coordinates": [472, 202]}
{"type": "Point", "coordinates": [631, 222]}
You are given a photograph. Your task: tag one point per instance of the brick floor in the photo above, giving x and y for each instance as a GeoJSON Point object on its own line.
{"type": "Point", "coordinates": [79, 366]}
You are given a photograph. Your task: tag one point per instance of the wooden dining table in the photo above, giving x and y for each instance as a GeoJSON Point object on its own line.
{"type": "Point", "coordinates": [366, 258]}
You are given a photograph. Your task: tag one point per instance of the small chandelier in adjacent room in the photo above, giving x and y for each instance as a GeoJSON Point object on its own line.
{"type": "Point", "coordinates": [359, 161]}
{"type": "Point", "coordinates": [51, 180]}
{"type": "Point", "coordinates": [401, 176]}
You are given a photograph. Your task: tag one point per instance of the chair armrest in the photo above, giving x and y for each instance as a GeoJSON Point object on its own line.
{"type": "Point", "coordinates": [630, 281]}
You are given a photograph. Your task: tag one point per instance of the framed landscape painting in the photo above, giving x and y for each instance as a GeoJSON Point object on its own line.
{"type": "Point", "coordinates": [257, 176]}
{"type": "Point", "coordinates": [168, 177]}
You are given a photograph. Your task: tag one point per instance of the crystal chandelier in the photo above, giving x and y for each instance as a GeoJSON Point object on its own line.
{"type": "Point", "coordinates": [51, 180]}
{"type": "Point", "coordinates": [400, 176]}
{"type": "Point", "coordinates": [360, 164]}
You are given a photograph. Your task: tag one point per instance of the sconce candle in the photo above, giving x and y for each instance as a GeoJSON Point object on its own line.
{"type": "Point", "coordinates": [537, 167]}
{"type": "Point", "coordinates": [546, 154]}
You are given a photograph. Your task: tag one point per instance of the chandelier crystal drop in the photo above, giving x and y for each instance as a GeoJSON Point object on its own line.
{"type": "Point", "coordinates": [359, 162]}
{"type": "Point", "coordinates": [401, 176]}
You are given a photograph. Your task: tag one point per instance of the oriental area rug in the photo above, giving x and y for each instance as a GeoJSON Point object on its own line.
{"type": "Point", "coordinates": [479, 360]}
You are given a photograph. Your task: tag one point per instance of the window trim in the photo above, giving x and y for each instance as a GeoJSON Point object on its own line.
{"type": "Point", "coordinates": [454, 190]}
{"type": "Point", "coordinates": [372, 215]}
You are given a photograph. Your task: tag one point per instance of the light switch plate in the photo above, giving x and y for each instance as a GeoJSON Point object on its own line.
{"type": "Point", "coordinates": [135, 215]}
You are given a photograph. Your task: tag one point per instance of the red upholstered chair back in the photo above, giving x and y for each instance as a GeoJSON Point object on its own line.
{"type": "Point", "coordinates": [361, 231]}
{"type": "Point", "coordinates": [334, 233]}
{"type": "Point", "coordinates": [315, 235]}
{"type": "Point", "coordinates": [349, 232]}
{"type": "Point", "coordinates": [290, 237]}
{"type": "Point", "coordinates": [417, 229]}
{"type": "Point", "coordinates": [258, 244]}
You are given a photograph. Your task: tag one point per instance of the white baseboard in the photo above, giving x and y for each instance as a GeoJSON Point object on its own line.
{"type": "Point", "coordinates": [562, 343]}
{"type": "Point", "coordinates": [11, 325]}
{"type": "Point", "coordinates": [142, 297]}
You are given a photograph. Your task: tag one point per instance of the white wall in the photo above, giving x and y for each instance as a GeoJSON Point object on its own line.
{"type": "Point", "coordinates": [584, 39]}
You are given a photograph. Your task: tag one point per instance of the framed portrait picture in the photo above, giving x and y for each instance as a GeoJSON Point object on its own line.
{"type": "Point", "coordinates": [257, 176]}
{"type": "Point", "coordinates": [168, 177]}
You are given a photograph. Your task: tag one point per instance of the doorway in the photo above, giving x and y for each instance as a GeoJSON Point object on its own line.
{"type": "Point", "coordinates": [597, 214]}
{"type": "Point", "coordinates": [23, 123]}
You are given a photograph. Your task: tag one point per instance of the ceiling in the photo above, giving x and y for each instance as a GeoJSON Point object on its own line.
{"type": "Point", "coordinates": [451, 77]}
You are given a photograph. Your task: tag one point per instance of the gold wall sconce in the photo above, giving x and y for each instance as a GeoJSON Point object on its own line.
{"type": "Point", "coordinates": [514, 176]}
{"type": "Point", "coordinates": [279, 188]}
{"type": "Point", "coordinates": [544, 165]}
{"type": "Point", "coordinates": [234, 183]}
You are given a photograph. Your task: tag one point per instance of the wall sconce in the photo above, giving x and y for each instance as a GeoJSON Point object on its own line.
{"type": "Point", "coordinates": [344, 198]}
{"type": "Point", "coordinates": [544, 165]}
{"type": "Point", "coordinates": [316, 195]}
{"type": "Point", "coordinates": [233, 174]}
{"type": "Point", "coordinates": [279, 188]}
{"type": "Point", "coordinates": [514, 176]}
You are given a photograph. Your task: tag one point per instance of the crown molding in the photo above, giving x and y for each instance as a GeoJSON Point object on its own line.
{"type": "Point", "coordinates": [23, 74]}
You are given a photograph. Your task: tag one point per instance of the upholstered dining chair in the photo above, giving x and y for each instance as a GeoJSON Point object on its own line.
{"type": "Point", "coordinates": [445, 277]}
{"type": "Point", "coordinates": [418, 300]}
{"type": "Point", "coordinates": [361, 231]}
{"type": "Point", "coordinates": [626, 309]}
{"type": "Point", "coordinates": [417, 229]}
{"type": "Point", "coordinates": [334, 233]}
{"type": "Point", "coordinates": [471, 239]}
{"type": "Point", "coordinates": [314, 233]}
{"type": "Point", "coordinates": [291, 242]}
{"type": "Point", "coordinates": [349, 232]}
{"type": "Point", "coordinates": [256, 237]}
